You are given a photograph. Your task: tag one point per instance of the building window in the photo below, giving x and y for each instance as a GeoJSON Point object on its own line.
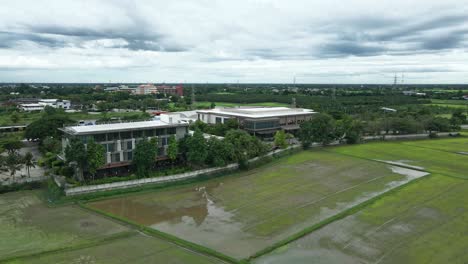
{"type": "Point", "coordinates": [137, 134]}
{"type": "Point", "coordinates": [113, 136]}
{"type": "Point", "coordinates": [149, 133]}
{"type": "Point", "coordinates": [126, 135]}
{"type": "Point", "coordinates": [160, 132]}
{"type": "Point", "coordinates": [219, 120]}
{"type": "Point", "coordinates": [115, 157]}
{"type": "Point", "coordinates": [128, 156]}
{"type": "Point", "coordinates": [110, 147]}
{"type": "Point", "coordinates": [100, 137]}
{"type": "Point", "coordinates": [171, 131]}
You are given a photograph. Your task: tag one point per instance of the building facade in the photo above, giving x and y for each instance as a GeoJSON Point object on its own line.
{"type": "Point", "coordinates": [120, 139]}
{"type": "Point", "coordinates": [261, 121]}
{"type": "Point", "coordinates": [42, 103]}
{"type": "Point", "coordinates": [145, 89]}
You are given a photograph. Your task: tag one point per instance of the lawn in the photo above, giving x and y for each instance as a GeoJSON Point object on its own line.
{"type": "Point", "coordinates": [136, 248]}
{"type": "Point", "coordinates": [425, 222]}
{"type": "Point", "coordinates": [437, 156]}
{"type": "Point", "coordinates": [241, 214]}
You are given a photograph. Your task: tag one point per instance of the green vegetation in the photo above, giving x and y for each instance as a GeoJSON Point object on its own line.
{"type": "Point", "coordinates": [145, 154]}
{"type": "Point", "coordinates": [135, 248]}
{"type": "Point", "coordinates": [251, 210]}
{"type": "Point", "coordinates": [30, 227]}
{"type": "Point", "coordinates": [423, 222]}
{"type": "Point", "coordinates": [424, 153]}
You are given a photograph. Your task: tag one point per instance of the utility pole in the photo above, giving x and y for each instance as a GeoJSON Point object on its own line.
{"type": "Point", "coordinates": [193, 98]}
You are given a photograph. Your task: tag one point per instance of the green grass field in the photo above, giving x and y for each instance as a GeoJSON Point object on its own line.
{"type": "Point", "coordinates": [425, 222]}
{"type": "Point", "coordinates": [436, 156]}
{"type": "Point", "coordinates": [32, 232]}
{"type": "Point", "coordinates": [224, 104]}
{"type": "Point", "coordinates": [246, 212]}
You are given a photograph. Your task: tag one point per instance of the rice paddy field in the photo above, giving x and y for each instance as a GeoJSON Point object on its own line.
{"type": "Point", "coordinates": [380, 202]}
{"type": "Point", "coordinates": [32, 232]}
{"type": "Point", "coordinates": [424, 222]}
{"type": "Point", "coordinates": [242, 214]}
{"type": "Point", "coordinates": [136, 248]}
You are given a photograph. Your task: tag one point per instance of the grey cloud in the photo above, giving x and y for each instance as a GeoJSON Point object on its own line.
{"type": "Point", "coordinates": [10, 40]}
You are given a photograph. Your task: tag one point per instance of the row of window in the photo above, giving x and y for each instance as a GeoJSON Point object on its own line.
{"type": "Point", "coordinates": [261, 124]}
{"type": "Point", "coordinates": [129, 134]}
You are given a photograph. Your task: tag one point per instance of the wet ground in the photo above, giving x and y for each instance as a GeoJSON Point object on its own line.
{"type": "Point", "coordinates": [242, 214]}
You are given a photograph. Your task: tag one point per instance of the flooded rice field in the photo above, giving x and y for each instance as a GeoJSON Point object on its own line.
{"type": "Point", "coordinates": [244, 213]}
{"type": "Point", "coordinates": [423, 223]}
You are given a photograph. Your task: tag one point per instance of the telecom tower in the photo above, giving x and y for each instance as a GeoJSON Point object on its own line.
{"type": "Point", "coordinates": [395, 80]}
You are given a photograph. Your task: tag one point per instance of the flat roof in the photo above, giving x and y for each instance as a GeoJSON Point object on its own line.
{"type": "Point", "coordinates": [115, 127]}
{"type": "Point", "coordinates": [258, 112]}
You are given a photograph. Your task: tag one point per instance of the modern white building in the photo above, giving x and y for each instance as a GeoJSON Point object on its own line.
{"type": "Point", "coordinates": [120, 139]}
{"type": "Point", "coordinates": [31, 107]}
{"type": "Point", "coordinates": [42, 103]}
{"type": "Point", "coordinates": [55, 103]}
{"type": "Point", "coordinates": [259, 120]}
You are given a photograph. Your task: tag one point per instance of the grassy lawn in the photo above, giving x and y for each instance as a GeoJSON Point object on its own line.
{"type": "Point", "coordinates": [425, 222]}
{"type": "Point", "coordinates": [456, 102]}
{"type": "Point", "coordinates": [224, 104]}
{"type": "Point", "coordinates": [241, 214]}
{"type": "Point", "coordinates": [136, 248]}
{"type": "Point", "coordinates": [437, 156]}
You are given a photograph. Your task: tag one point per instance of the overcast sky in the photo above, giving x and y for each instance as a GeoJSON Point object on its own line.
{"type": "Point", "coordinates": [346, 41]}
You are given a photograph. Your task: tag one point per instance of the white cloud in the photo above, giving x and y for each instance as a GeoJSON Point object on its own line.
{"type": "Point", "coordinates": [359, 41]}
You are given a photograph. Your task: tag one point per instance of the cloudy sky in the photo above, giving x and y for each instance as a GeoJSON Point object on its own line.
{"type": "Point", "coordinates": [346, 41]}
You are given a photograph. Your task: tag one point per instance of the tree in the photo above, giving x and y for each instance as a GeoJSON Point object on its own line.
{"type": "Point", "coordinates": [320, 129]}
{"type": "Point", "coordinates": [75, 153]}
{"type": "Point", "coordinates": [13, 163]}
{"type": "Point", "coordinates": [173, 148]}
{"type": "Point", "coordinates": [144, 156]}
{"type": "Point", "coordinates": [197, 151]}
{"type": "Point", "coordinates": [437, 124]}
{"type": "Point", "coordinates": [280, 139]}
{"type": "Point", "coordinates": [95, 157]}
{"type": "Point", "coordinates": [29, 162]}
{"type": "Point", "coordinates": [12, 146]}
{"type": "Point", "coordinates": [349, 129]}
{"type": "Point", "coordinates": [245, 146]}
{"type": "Point", "coordinates": [212, 105]}
{"type": "Point", "coordinates": [47, 126]}
{"type": "Point", "coordinates": [220, 152]}
{"type": "Point", "coordinates": [15, 117]}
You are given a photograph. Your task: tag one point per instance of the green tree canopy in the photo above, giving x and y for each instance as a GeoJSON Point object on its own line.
{"type": "Point", "coordinates": [197, 150]}
{"type": "Point", "coordinates": [95, 157]}
{"type": "Point", "coordinates": [280, 139]}
{"type": "Point", "coordinates": [321, 128]}
{"type": "Point", "coordinates": [144, 156]}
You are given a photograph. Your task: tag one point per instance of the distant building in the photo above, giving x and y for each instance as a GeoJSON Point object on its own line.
{"type": "Point", "coordinates": [40, 104]}
{"type": "Point", "coordinates": [263, 121]}
{"type": "Point", "coordinates": [465, 97]}
{"type": "Point", "coordinates": [165, 89]}
{"type": "Point", "coordinates": [120, 139]}
{"type": "Point", "coordinates": [413, 93]}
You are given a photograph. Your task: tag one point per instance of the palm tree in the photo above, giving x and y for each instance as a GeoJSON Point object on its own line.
{"type": "Point", "coordinates": [29, 162]}
{"type": "Point", "coordinates": [14, 163]}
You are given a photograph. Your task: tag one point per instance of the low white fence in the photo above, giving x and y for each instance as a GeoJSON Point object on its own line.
{"type": "Point", "coordinates": [164, 179]}
{"type": "Point", "coordinates": [409, 136]}
{"type": "Point", "coordinates": [24, 180]}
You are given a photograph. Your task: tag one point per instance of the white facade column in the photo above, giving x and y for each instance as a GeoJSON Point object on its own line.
{"type": "Point", "coordinates": [109, 157]}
